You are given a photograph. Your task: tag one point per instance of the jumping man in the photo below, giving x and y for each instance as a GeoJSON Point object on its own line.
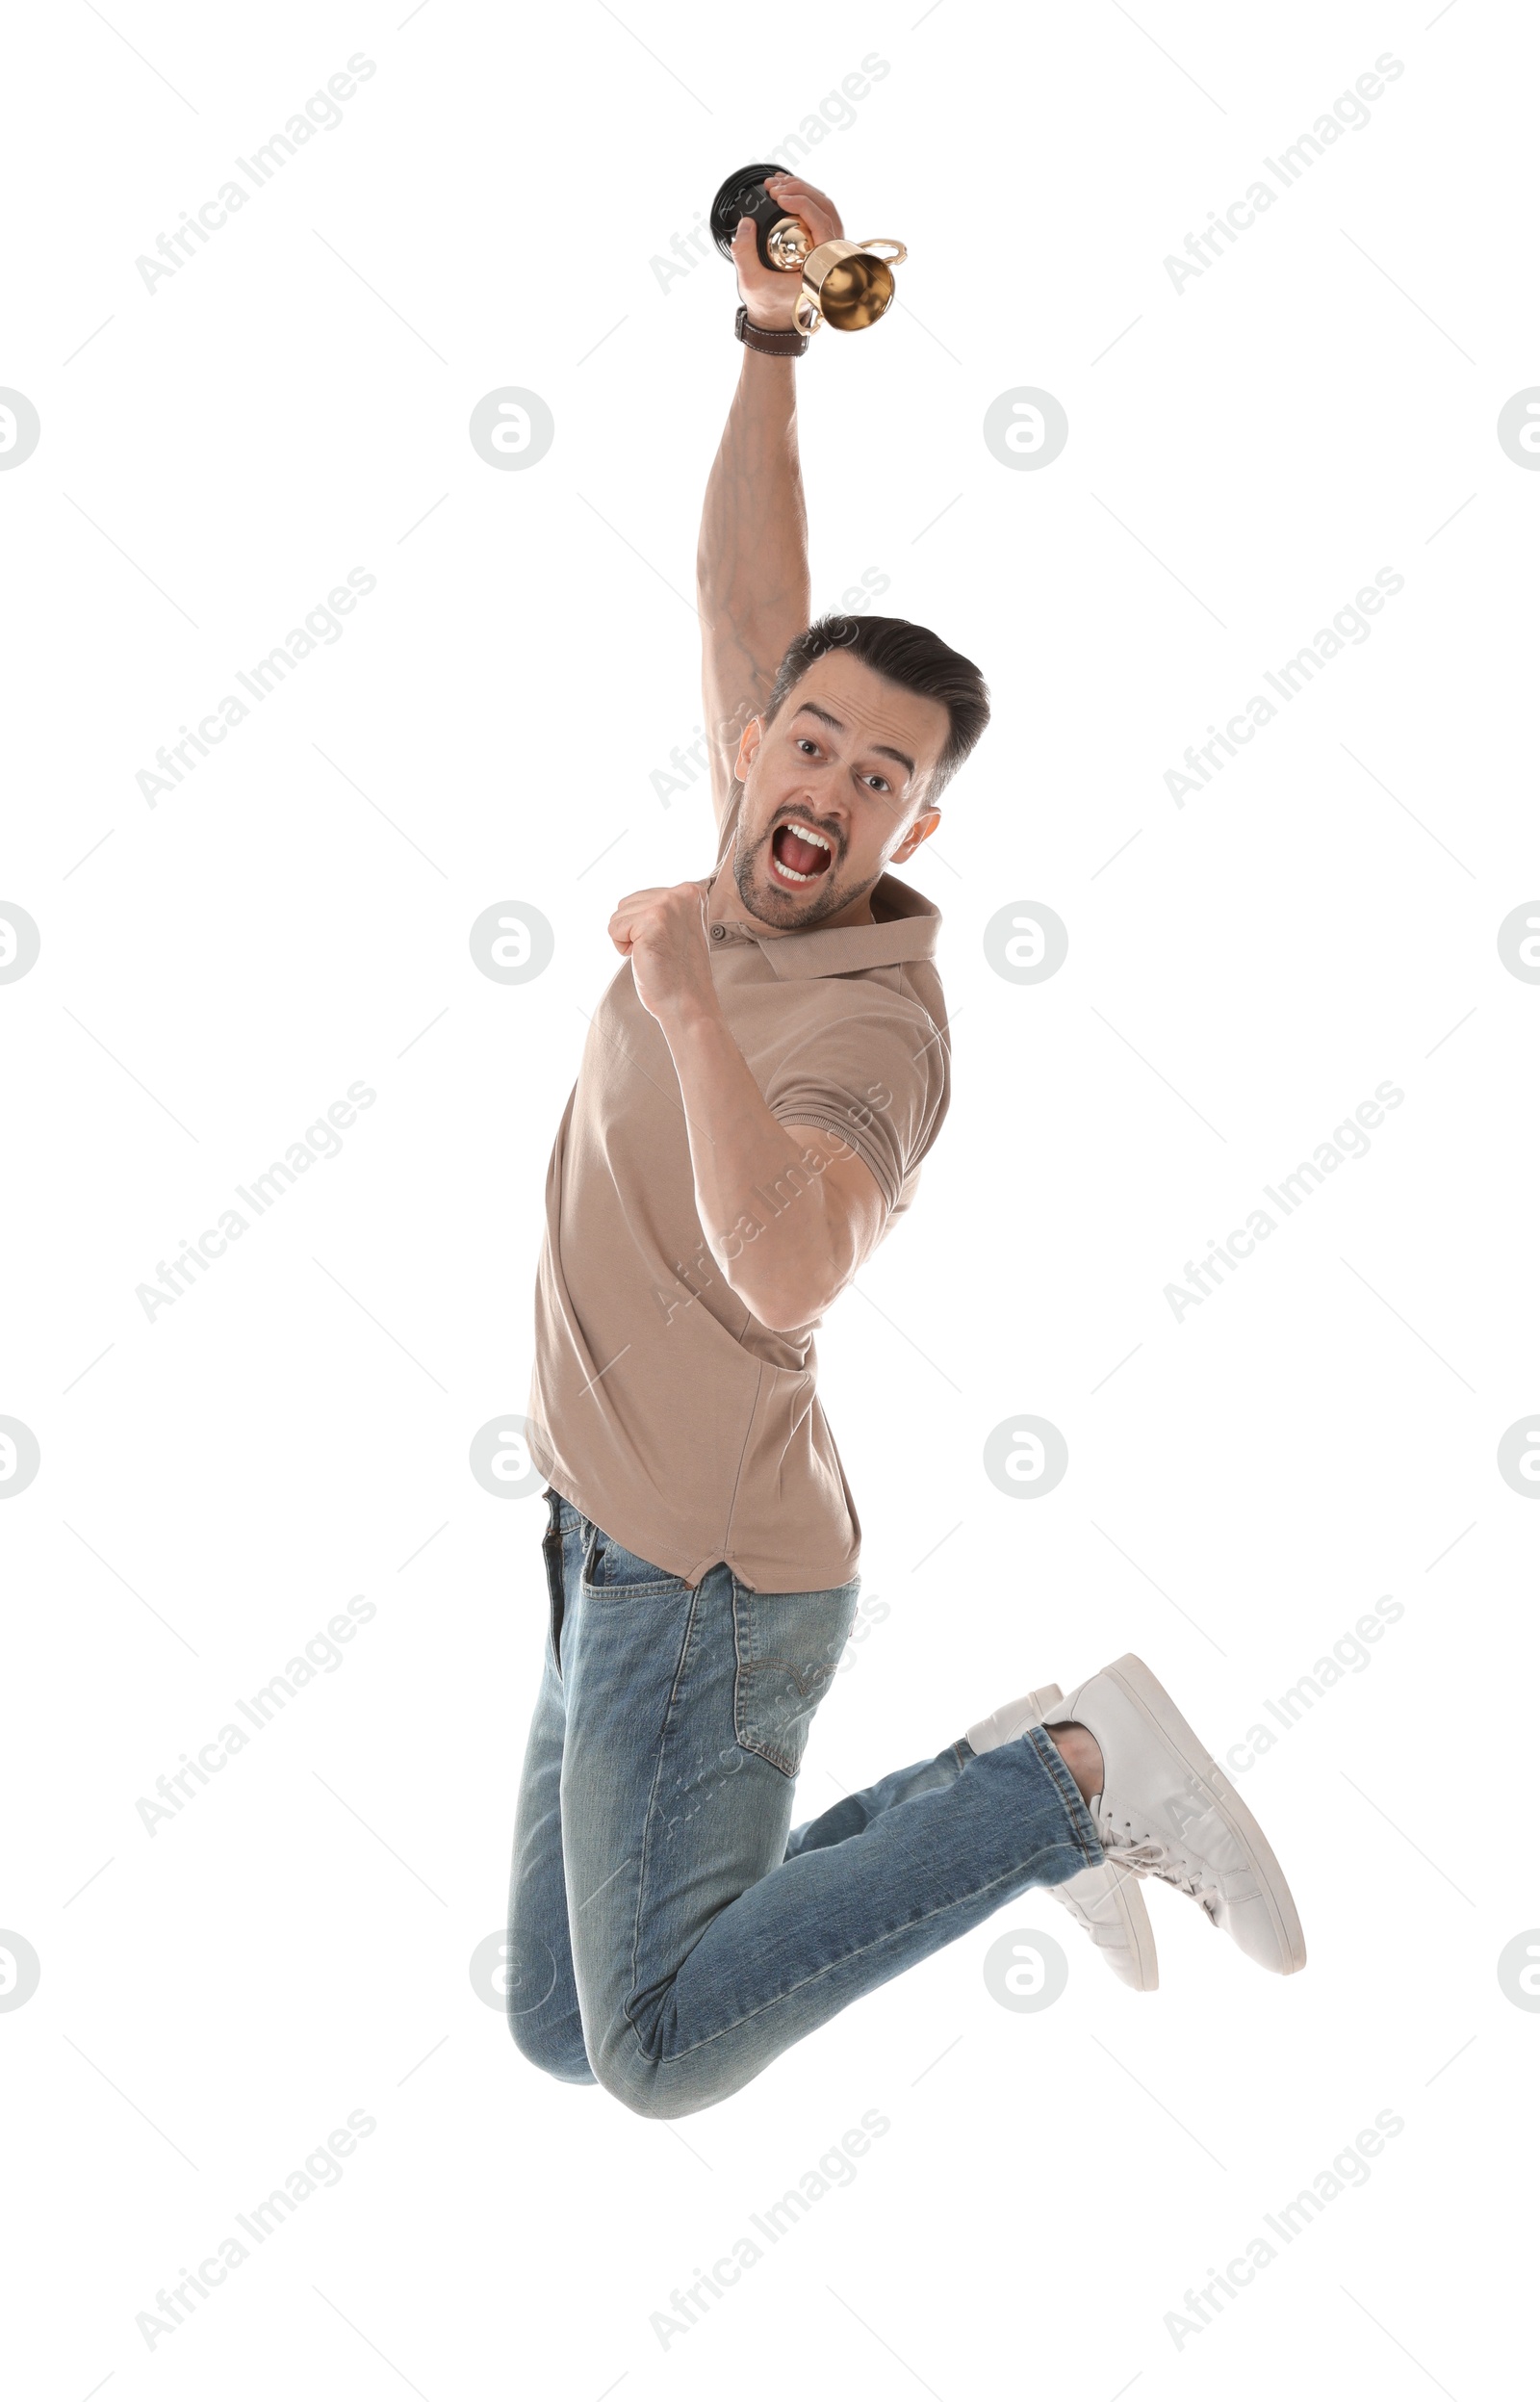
{"type": "Point", "coordinates": [759, 1086]}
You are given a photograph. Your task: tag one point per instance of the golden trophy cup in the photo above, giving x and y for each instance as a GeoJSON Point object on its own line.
{"type": "Point", "coordinates": [844, 284]}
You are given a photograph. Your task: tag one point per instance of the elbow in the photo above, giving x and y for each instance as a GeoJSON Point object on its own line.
{"type": "Point", "coordinates": [788, 1287]}
{"type": "Point", "coordinates": [712, 575]}
{"type": "Point", "coordinates": [787, 1307]}
{"type": "Point", "coordinates": [787, 1320]}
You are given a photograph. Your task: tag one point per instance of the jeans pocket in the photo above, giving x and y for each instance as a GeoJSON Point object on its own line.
{"type": "Point", "coordinates": [551, 1545]}
{"type": "Point", "coordinates": [608, 1567]}
{"type": "Point", "coordinates": [788, 1647]}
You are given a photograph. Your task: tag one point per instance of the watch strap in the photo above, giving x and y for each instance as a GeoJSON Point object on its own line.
{"type": "Point", "coordinates": [786, 343]}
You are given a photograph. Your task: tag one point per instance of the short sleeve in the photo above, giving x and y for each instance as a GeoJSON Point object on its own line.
{"type": "Point", "coordinates": [879, 1078]}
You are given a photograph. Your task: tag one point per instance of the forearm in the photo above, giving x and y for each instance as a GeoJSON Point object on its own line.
{"type": "Point", "coordinates": [763, 1210]}
{"type": "Point", "coordinates": [752, 574]}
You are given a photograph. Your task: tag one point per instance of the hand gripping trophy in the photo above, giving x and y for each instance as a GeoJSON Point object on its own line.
{"type": "Point", "coordinates": [844, 284]}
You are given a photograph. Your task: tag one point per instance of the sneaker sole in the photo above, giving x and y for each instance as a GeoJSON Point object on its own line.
{"type": "Point", "coordinates": [1150, 1697]}
{"type": "Point", "coordinates": [1135, 1917]}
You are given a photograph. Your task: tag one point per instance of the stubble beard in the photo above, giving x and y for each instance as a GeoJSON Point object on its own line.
{"type": "Point", "coordinates": [770, 902]}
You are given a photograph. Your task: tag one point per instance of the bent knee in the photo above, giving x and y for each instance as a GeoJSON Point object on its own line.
{"type": "Point", "coordinates": [557, 2047]}
{"type": "Point", "coordinates": [651, 2098]}
{"type": "Point", "coordinates": [648, 2088]}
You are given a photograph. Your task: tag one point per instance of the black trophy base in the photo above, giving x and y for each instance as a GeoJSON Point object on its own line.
{"type": "Point", "coordinates": [744, 194]}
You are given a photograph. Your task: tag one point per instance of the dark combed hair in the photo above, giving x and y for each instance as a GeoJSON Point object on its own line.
{"type": "Point", "coordinates": [907, 654]}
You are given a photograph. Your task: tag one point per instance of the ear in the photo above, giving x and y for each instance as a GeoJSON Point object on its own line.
{"type": "Point", "coordinates": [925, 825]}
{"type": "Point", "coordinates": [748, 747]}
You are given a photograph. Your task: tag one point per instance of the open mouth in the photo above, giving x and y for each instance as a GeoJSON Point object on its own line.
{"type": "Point", "coordinates": [799, 854]}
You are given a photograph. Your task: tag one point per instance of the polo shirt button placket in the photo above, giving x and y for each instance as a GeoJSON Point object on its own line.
{"type": "Point", "coordinates": [717, 933]}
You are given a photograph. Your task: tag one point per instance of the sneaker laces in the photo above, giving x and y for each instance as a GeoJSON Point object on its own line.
{"type": "Point", "coordinates": [1146, 1856]}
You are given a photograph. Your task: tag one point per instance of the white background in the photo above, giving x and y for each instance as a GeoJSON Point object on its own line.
{"type": "Point", "coordinates": [1243, 456]}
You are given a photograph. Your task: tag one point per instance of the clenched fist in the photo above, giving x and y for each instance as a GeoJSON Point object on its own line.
{"type": "Point", "coordinates": [663, 931]}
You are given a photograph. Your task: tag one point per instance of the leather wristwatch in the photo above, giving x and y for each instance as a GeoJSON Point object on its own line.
{"type": "Point", "coordinates": [785, 344]}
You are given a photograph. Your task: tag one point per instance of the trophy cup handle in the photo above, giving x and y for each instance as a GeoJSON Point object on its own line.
{"type": "Point", "coordinates": [813, 319]}
{"type": "Point", "coordinates": [893, 254]}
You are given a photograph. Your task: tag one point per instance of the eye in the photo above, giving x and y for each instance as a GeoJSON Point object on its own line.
{"type": "Point", "coordinates": [806, 742]}
{"type": "Point", "coordinates": [880, 783]}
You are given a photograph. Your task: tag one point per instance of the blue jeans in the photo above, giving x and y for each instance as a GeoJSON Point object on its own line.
{"type": "Point", "coordinates": [669, 1933]}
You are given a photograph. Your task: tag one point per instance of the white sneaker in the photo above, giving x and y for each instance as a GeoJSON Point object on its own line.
{"type": "Point", "coordinates": [1167, 1810]}
{"type": "Point", "coordinates": [1105, 1900]}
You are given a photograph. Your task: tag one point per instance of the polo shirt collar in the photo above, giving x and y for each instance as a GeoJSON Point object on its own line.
{"type": "Point", "coordinates": [909, 932]}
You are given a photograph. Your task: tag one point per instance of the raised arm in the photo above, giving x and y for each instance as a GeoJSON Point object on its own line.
{"type": "Point", "coordinates": [786, 1264]}
{"type": "Point", "coordinates": [752, 578]}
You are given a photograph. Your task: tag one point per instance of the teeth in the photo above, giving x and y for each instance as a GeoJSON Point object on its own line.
{"type": "Point", "coordinates": [808, 834]}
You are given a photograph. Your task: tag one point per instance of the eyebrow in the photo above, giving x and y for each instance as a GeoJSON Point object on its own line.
{"type": "Point", "coordinates": [879, 750]}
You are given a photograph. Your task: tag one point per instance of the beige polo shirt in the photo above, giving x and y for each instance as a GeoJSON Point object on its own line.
{"type": "Point", "coordinates": [658, 1405]}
